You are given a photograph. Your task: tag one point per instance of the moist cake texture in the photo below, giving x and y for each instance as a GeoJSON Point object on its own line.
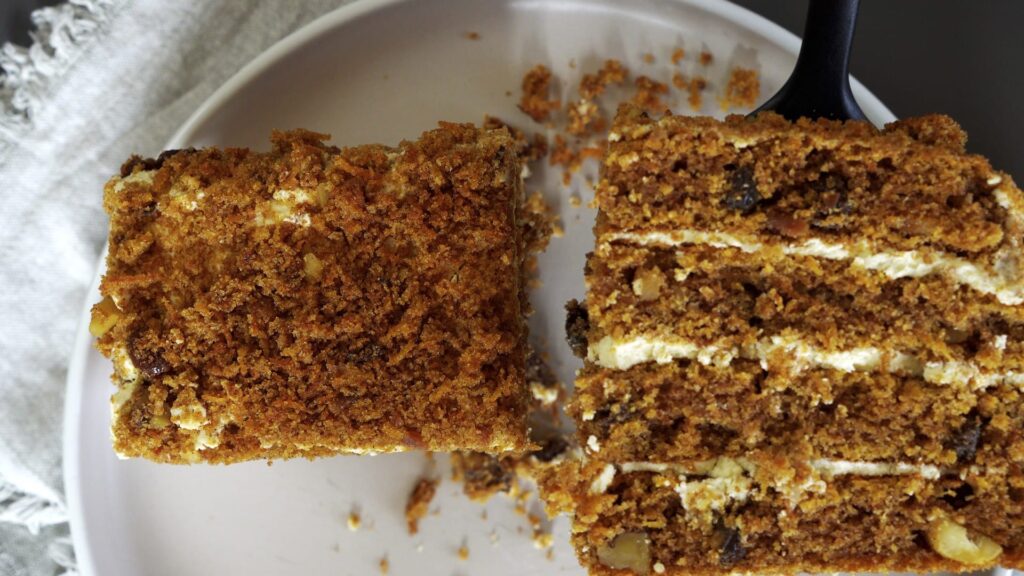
{"type": "Point", "coordinates": [313, 300]}
{"type": "Point", "coordinates": [803, 348]}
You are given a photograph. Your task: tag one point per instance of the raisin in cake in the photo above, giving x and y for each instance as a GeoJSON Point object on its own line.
{"type": "Point", "coordinates": [805, 352]}
{"type": "Point", "coordinates": [314, 300]}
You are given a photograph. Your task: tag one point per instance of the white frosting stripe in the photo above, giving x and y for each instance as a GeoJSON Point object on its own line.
{"type": "Point", "coordinates": [624, 354]}
{"type": "Point", "coordinates": [905, 264]}
{"type": "Point", "coordinates": [826, 467]}
{"type": "Point", "coordinates": [708, 486]}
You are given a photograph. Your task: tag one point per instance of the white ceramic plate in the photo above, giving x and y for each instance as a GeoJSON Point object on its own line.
{"type": "Point", "coordinates": [380, 71]}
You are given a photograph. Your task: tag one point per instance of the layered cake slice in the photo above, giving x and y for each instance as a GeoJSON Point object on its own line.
{"type": "Point", "coordinates": [804, 352]}
{"type": "Point", "coordinates": [314, 300]}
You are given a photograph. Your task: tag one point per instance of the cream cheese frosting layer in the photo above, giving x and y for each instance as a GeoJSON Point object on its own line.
{"type": "Point", "coordinates": [725, 466]}
{"type": "Point", "coordinates": [622, 354]}
{"type": "Point", "coordinates": [1004, 282]}
{"type": "Point", "coordinates": [709, 485]}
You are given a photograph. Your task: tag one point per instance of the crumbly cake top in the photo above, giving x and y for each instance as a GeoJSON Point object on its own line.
{"type": "Point", "coordinates": [315, 299]}
{"type": "Point", "coordinates": [905, 186]}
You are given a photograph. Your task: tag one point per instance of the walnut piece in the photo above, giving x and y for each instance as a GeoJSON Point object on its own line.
{"type": "Point", "coordinates": [648, 283]}
{"type": "Point", "coordinates": [314, 268]}
{"type": "Point", "coordinates": [104, 316]}
{"type": "Point", "coordinates": [953, 541]}
{"type": "Point", "coordinates": [627, 551]}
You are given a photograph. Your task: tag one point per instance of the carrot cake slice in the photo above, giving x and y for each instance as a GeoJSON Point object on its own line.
{"type": "Point", "coordinates": [804, 351]}
{"type": "Point", "coordinates": [313, 300]}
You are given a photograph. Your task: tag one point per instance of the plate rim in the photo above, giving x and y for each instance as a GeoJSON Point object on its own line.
{"type": "Point", "coordinates": [74, 382]}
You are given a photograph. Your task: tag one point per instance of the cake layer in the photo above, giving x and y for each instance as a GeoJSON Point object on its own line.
{"type": "Point", "coordinates": [730, 516]}
{"type": "Point", "coordinates": [908, 191]}
{"type": "Point", "coordinates": [652, 304]}
{"type": "Point", "coordinates": [684, 411]}
{"type": "Point", "coordinates": [312, 300]}
{"type": "Point", "coordinates": [804, 351]}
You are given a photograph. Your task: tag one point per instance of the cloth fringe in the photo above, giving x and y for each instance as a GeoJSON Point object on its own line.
{"type": "Point", "coordinates": [62, 552]}
{"type": "Point", "coordinates": [29, 510]}
{"type": "Point", "coordinates": [61, 34]}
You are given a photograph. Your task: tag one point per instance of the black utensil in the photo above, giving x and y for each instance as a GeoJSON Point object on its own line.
{"type": "Point", "coordinates": [819, 86]}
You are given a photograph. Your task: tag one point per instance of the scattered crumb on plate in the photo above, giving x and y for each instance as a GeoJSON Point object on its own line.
{"type": "Point", "coordinates": [742, 90]}
{"type": "Point", "coordinates": [677, 55]}
{"type": "Point", "coordinates": [585, 115]}
{"type": "Point", "coordinates": [535, 102]}
{"type": "Point", "coordinates": [419, 503]}
{"type": "Point", "coordinates": [648, 94]}
{"type": "Point", "coordinates": [354, 520]}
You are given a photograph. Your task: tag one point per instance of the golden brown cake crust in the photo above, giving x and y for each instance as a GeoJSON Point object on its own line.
{"type": "Point", "coordinates": [312, 300]}
{"type": "Point", "coordinates": [906, 187]}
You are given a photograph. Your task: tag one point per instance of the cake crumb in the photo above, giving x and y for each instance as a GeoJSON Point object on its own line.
{"type": "Point", "coordinates": [354, 521]}
{"type": "Point", "coordinates": [521, 499]}
{"type": "Point", "coordinates": [534, 521]}
{"type": "Point", "coordinates": [648, 94]}
{"type": "Point", "coordinates": [536, 87]}
{"type": "Point", "coordinates": [481, 475]}
{"type": "Point", "coordinates": [584, 115]}
{"type": "Point", "coordinates": [705, 58]}
{"type": "Point", "coordinates": [539, 220]}
{"type": "Point", "coordinates": [648, 58]}
{"type": "Point", "coordinates": [694, 87]}
{"type": "Point", "coordinates": [611, 73]}
{"type": "Point", "coordinates": [472, 35]}
{"type": "Point", "coordinates": [574, 200]}
{"type": "Point", "coordinates": [384, 566]}
{"type": "Point", "coordinates": [571, 158]}
{"type": "Point", "coordinates": [419, 502]}
{"type": "Point", "coordinates": [677, 55]}
{"type": "Point", "coordinates": [742, 90]}
{"type": "Point", "coordinates": [542, 540]}
{"type": "Point", "coordinates": [464, 552]}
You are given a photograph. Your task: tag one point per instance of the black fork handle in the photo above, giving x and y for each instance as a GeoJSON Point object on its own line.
{"type": "Point", "coordinates": [819, 86]}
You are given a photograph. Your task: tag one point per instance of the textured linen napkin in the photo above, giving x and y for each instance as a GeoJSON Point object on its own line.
{"type": "Point", "coordinates": [102, 80]}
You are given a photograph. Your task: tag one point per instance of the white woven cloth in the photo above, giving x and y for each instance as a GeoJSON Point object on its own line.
{"type": "Point", "coordinates": [103, 79]}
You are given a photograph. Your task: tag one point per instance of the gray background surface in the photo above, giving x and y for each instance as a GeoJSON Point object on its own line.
{"type": "Point", "coordinates": [964, 58]}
